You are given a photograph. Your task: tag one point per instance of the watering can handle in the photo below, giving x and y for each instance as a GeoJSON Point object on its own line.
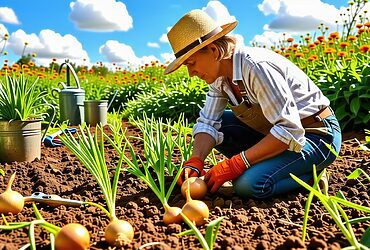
{"type": "Point", "coordinates": [69, 67]}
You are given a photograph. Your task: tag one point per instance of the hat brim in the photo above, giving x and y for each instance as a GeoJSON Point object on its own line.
{"type": "Point", "coordinates": [174, 65]}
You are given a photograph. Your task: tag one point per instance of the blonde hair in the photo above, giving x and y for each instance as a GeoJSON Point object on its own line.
{"type": "Point", "coordinates": [225, 46]}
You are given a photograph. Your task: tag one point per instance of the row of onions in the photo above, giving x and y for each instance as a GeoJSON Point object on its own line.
{"type": "Point", "coordinates": [161, 141]}
{"type": "Point", "coordinates": [71, 236]}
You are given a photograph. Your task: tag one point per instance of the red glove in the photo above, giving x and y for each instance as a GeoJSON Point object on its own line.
{"type": "Point", "coordinates": [226, 170]}
{"type": "Point", "coordinates": [194, 166]}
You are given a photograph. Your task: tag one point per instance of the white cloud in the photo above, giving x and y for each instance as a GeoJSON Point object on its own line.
{"type": "Point", "coordinates": [101, 16]}
{"type": "Point", "coordinates": [168, 57]}
{"type": "Point", "coordinates": [7, 15]}
{"type": "Point", "coordinates": [299, 15]}
{"type": "Point", "coordinates": [269, 39]}
{"type": "Point", "coordinates": [153, 45]}
{"type": "Point", "coordinates": [164, 38]}
{"type": "Point", "coordinates": [123, 55]}
{"type": "Point", "coordinates": [218, 12]}
{"type": "Point", "coordinates": [48, 44]}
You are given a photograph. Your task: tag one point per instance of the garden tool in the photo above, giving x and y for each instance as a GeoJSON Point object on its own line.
{"type": "Point", "coordinates": [53, 141]}
{"type": "Point", "coordinates": [52, 200]}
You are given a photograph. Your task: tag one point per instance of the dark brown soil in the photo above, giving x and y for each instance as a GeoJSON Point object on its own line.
{"type": "Point", "coordinates": [248, 224]}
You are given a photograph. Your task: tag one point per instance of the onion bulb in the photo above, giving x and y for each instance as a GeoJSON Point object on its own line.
{"type": "Point", "coordinates": [172, 215]}
{"type": "Point", "coordinates": [11, 201]}
{"type": "Point", "coordinates": [119, 232]}
{"type": "Point", "coordinates": [72, 236]}
{"type": "Point", "coordinates": [198, 188]}
{"type": "Point", "coordinates": [195, 210]}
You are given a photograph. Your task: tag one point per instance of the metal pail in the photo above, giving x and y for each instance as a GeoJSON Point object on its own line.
{"type": "Point", "coordinates": [20, 140]}
{"type": "Point", "coordinates": [96, 112]}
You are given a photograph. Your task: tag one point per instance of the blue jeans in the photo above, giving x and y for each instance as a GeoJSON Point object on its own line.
{"type": "Point", "coordinates": [271, 177]}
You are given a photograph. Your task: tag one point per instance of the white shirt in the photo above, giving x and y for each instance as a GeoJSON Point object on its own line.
{"type": "Point", "coordinates": [284, 92]}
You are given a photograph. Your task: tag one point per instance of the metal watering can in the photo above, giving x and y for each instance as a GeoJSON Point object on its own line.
{"type": "Point", "coordinates": [71, 99]}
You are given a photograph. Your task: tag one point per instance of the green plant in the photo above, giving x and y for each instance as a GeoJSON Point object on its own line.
{"type": "Point", "coordinates": [158, 151]}
{"type": "Point", "coordinates": [80, 238]}
{"type": "Point", "coordinates": [169, 100]}
{"type": "Point", "coordinates": [347, 88]}
{"type": "Point", "coordinates": [19, 99]}
{"type": "Point", "coordinates": [333, 204]}
{"type": "Point", "coordinates": [89, 149]}
{"type": "Point", "coordinates": [209, 239]}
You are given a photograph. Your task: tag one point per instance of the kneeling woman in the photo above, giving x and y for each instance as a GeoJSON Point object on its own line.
{"type": "Point", "coordinates": [278, 121]}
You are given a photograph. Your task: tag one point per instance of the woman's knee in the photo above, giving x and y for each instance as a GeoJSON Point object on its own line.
{"type": "Point", "coordinates": [248, 186]}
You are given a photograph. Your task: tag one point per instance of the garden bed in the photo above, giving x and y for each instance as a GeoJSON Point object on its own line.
{"type": "Point", "coordinates": [248, 224]}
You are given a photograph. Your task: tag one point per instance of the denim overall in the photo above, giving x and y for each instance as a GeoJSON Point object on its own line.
{"type": "Point", "coordinates": [245, 125]}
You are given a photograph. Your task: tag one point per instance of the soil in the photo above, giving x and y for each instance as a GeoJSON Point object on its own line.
{"type": "Point", "coordinates": [248, 224]}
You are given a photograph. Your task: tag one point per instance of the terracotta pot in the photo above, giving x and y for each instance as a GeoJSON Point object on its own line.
{"type": "Point", "coordinates": [20, 140]}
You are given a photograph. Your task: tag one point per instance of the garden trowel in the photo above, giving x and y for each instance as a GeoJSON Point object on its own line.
{"type": "Point", "coordinates": [52, 200]}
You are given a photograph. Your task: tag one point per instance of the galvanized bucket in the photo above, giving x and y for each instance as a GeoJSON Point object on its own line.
{"type": "Point", "coordinates": [96, 112]}
{"type": "Point", "coordinates": [20, 140]}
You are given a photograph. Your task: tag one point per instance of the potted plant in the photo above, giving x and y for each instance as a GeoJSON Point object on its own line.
{"type": "Point", "coordinates": [20, 122]}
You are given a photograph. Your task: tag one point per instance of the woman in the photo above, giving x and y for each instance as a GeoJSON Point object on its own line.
{"type": "Point", "coordinates": [279, 120]}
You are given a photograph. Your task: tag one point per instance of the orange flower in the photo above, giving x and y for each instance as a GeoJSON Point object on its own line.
{"type": "Point", "coordinates": [334, 35]}
{"type": "Point", "coordinates": [342, 53]}
{"type": "Point", "coordinates": [311, 45]}
{"type": "Point", "coordinates": [321, 38]}
{"type": "Point", "coordinates": [365, 48]}
{"type": "Point", "coordinates": [299, 55]}
{"type": "Point", "coordinates": [343, 44]}
{"type": "Point", "coordinates": [367, 24]}
{"type": "Point", "coordinates": [287, 55]}
{"type": "Point", "coordinates": [290, 39]}
{"type": "Point", "coordinates": [329, 51]}
{"type": "Point", "coordinates": [352, 38]}
{"type": "Point", "coordinates": [360, 30]}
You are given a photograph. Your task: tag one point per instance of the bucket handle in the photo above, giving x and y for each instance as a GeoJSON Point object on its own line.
{"type": "Point", "coordinates": [70, 69]}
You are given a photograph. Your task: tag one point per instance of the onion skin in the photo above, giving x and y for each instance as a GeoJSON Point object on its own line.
{"type": "Point", "coordinates": [72, 236]}
{"type": "Point", "coordinates": [172, 215]}
{"type": "Point", "coordinates": [11, 201]}
{"type": "Point", "coordinates": [198, 188]}
{"type": "Point", "coordinates": [118, 233]}
{"type": "Point", "coordinates": [196, 211]}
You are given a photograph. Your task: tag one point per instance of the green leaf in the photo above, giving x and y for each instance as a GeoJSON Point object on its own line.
{"type": "Point", "coordinates": [355, 105]}
{"type": "Point", "coordinates": [365, 239]}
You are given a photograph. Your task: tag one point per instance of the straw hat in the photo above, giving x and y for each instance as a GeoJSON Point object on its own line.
{"type": "Point", "coordinates": [192, 32]}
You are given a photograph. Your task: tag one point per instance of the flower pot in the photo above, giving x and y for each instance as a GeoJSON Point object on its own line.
{"type": "Point", "coordinates": [20, 140]}
{"type": "Point", "coordinates": [96, 112]}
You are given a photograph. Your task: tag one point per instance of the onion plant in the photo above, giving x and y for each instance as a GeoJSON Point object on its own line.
{"type": "Point", "coordinates": [19, 98]}
{"type": "Point", "coordinates": [333, 204]}
{"type": "Point", "coordinates": [70, 236]}
{"type": "Point", "coordinates": [158, 151]}
{"type": "Point", "coordinates": [208, 240]}
{"type": "Point", "coordinates": [89, 149]}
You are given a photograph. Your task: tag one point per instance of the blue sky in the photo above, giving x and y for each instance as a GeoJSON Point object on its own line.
{"type": "Point", "coordinates": [111, 31]}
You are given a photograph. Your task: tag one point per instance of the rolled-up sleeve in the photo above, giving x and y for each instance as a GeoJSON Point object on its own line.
{"type": "Point", "coordinates": [270, 89]}
{"type": "Point", "coordinates": [209, 120]}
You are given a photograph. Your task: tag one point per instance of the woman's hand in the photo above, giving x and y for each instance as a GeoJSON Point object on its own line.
{"type": "Point", "coordinates": [226, 170]}
{"type": "Point", "coordinates": [194, 166]}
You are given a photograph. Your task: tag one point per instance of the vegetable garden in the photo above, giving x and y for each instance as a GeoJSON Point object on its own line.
{"type": "Point", "coordinates": [114, 185]}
